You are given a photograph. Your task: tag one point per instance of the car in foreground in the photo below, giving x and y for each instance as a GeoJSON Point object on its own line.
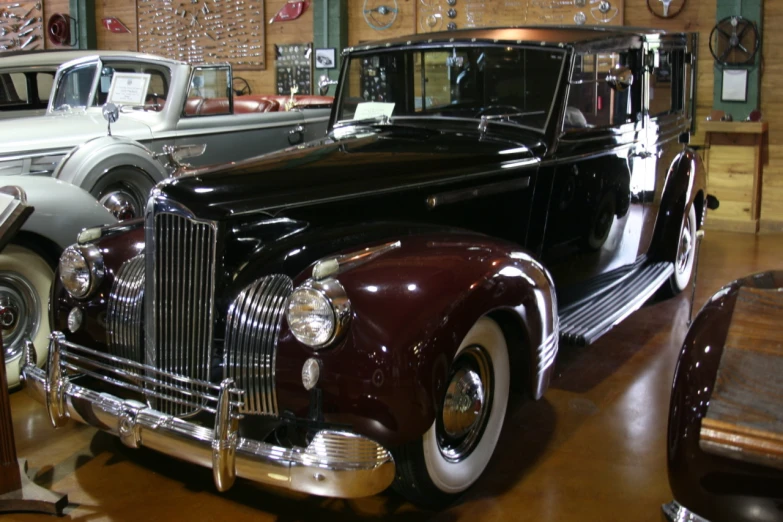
{"type": "Point", "coordinates": [182, 106]}
{"type": "Point", "coordinates": [725, 425]}
{"type": "Point", "coordinates": [26, 80]}
{"type": "Point", "coordinates": [351, 312]}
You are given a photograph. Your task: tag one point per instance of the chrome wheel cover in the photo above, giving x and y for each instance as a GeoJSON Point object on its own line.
{"type": "Point", "coordinates": [23, 308]}
{"type": "Point", "coordinates": [121, 202]}
{"type": "Point", "coordinates": [466, 405]}
{"type": "Point", "coordinates": [685, 247]}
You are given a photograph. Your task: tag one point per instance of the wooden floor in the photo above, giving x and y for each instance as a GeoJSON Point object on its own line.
{"type": "Point", "coordinates": [592, 450]}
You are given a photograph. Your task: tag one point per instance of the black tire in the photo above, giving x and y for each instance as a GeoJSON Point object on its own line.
{"type": "Point", "coordinates": [133, 185]}
{"type": "Point", "coordinates": [685, 258]}
{"type": "Point", "coordinates": [434, 470]}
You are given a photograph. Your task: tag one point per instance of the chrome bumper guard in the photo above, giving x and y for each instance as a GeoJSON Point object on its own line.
{"type": "Point", "coordinates": [675, 512]}
{"type": "Point", "coordinates": [334, 464]}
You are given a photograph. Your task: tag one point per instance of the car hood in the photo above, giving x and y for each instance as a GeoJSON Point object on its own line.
{"type": "Point", "coordinates": [375, 161]}
{"type": "Point", "coordinates": [64, 131]}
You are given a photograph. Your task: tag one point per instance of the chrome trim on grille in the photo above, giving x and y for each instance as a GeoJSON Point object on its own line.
{"type": "Point", "coordinates": [180, 267]}
{"type": "Point", "coordinates": [124, 316]}
{"type": "Point", "coordinates": [252, 328]}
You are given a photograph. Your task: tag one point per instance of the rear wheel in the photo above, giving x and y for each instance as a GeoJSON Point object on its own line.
{"type": "Point", "coordinates": [454, 452]}
{"type": "Point", "coordinates": [686, 255]}
{"type": "Point", "coordinates": [25, 280]}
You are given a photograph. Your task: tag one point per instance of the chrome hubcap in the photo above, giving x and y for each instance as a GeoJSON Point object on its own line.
{"type": "Point", "coordinates": [685, 247]}
{"type": "Point", "coordinates": [466, 405]}
{"type": "Point", "coordinates": [19, 320]}
{"type": "Point", "coordinates": [122, 203]}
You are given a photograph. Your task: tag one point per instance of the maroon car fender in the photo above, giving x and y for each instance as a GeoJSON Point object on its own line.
{"type": "Point", "coordinates": [411, 308]}
{"type": "Point", "coordinates": [715, 487]}
{"type": "Point", "coordinates": [686, 185]}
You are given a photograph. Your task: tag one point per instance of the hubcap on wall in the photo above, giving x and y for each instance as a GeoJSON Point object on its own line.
{"type": "Point", "coordinates": [19, 323]}
{"type": "Point", "coordinates": [466, 405]}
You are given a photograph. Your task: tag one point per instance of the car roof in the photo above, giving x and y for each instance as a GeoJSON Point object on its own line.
{"type": "Point", "coordinates": [540, 35]}
{"type": "Point", "coordinates": [39, 58]}
{"type": "Point", "coordinates": [127, 55]}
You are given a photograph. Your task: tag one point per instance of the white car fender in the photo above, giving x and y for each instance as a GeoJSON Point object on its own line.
{"type": "Point", "coordinates": [85, 164]}
{"type": "Point", "coordinates": [61, 210]}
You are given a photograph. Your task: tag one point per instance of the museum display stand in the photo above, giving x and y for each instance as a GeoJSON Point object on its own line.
{"type": "Point", "coordinates": [734, 158]}
{"type": "Point", "coordinates": [17, 491]}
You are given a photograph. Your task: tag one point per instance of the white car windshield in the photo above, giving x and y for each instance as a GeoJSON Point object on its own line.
{"type": "Point", "coordinates": [79, 87]}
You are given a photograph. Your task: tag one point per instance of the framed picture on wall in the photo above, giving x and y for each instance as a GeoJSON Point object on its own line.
{"type": "Point", "coordinates": [325, 58]}
{"type": "Point", "coordinates": [735, 85]}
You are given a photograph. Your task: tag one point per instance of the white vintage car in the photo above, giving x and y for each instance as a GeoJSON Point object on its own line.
{"type": "Point", "coordinates": [182, 105]}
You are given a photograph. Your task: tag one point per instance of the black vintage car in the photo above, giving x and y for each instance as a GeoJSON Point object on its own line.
{"type": "Point", "coordinates": [351, 312]}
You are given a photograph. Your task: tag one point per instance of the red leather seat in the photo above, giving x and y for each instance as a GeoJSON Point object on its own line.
{"type": "Point", "coordinates": [192, 106]}
{"type": "Point", "coordinates": [214, 106]}
{"type": "Point", "coordinates": [311, 99]}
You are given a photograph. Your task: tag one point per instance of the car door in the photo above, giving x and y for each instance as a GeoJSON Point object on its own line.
{"type": "Point", "coordinates": [600, 171]}
{"type": "Point", "coordinates": [232, 127]}
{"type": "Point", "coordinates": [668, 78]}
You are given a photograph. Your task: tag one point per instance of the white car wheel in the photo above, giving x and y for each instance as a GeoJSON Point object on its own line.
{"type": "Point", "coordinates": [456, 449]}
{"type": "Point", "coordinates": [686, 254]}
{"type": "Point", "coordinates": [25, 280]}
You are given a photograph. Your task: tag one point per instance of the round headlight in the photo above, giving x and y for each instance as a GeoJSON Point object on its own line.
{"type": "Point", "coordinates": [318, 312]}
{"type": "Point", "coordinates": [81, 269]}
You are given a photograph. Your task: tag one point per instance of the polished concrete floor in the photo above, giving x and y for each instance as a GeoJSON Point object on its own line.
{"type": "Point", "coordinates": [593, 449]}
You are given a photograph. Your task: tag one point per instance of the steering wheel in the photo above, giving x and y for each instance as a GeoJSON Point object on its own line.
{"type": "Point", "coordinates": [506, 109]}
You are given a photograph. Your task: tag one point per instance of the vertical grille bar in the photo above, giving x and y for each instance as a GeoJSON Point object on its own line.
{"type": "Point", "coordinates": [124, 314]}
{"type": "Point", "coordinates": [252, 330]}
{"type": "Point", "coordinates": [183, 300]}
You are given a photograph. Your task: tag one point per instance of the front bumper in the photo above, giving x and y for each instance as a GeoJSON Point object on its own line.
{"type": "Point", "coordinates": [334, 464]}
{"type": "Point", "coordinates": [675, 512]}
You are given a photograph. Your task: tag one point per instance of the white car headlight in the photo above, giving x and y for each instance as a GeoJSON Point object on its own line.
{"type": "Point", "coordinates": [81, 269]}
{"type": "Point", "coordinates": [318, 312]}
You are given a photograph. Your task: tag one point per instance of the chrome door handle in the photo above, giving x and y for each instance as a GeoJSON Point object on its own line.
{"type": "Point", "coordinates": [296, 135]}
{"type": "Point", "coordinates": [645, 154]}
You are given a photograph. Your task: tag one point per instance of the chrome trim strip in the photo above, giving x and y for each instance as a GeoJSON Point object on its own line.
{"type": "Point", "coordinates": [332, 266]}
{"type": "Point", "coordinates": [334, 464]}
{"type": "Point", "coordinates": [33, 155]}
{"type": "Point", "coordinates": [675, 512]}
{"type": "Point", "coordinates": [125, 309]}
{"type": "Point", "coordinates": [457, 196]}
{"type": "Point", "coordinates": [250, 350]}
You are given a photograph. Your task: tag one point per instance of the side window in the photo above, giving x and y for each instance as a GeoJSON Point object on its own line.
{"type": "Point", "coordinates": [667, 89]}
{"type": "Point", "coordinates": [44, 80]}
{"type": "Point", "coordinates": [13, 89]}
{"type": "Point", "coordinates": [592, 102]}
{"type": "Point", "coordinates": [209, 92]}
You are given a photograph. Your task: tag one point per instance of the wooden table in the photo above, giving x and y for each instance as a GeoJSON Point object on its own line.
{"type": "Point", "coordinates": [734, 161]}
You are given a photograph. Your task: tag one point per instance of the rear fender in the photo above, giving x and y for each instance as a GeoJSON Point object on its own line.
{"type": "Point", "coordinates": [411, 308]}
{"type": "Point", "coordinates": [85, 164]}
{"type": "Point", "coordinates": [685, 183]}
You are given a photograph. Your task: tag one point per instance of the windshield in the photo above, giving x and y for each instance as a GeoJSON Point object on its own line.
{"type": "Point", "coordinates": [78, 87]}
{"type": "Point", "coordinates": [515, 84]}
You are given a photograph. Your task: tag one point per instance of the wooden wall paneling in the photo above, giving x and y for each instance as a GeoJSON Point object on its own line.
{"type": "Point", "coordinates": [51, 7]}
{"type": "Point", "coordinates": [125, 12]}
{"type": "Point", "coordinates": [771, 87]}
{"type": "Point", "coordinates": [295, 31]}
{"type": "Point", "coordinates": [360, 31]}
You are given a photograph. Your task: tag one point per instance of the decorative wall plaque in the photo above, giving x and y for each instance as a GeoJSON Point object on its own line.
{"type": "Point", "coordinates": [294, 68]}
{"type": "Point", "coordinates": [204, 31]}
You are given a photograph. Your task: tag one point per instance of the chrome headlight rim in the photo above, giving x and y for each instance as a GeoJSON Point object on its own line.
{"type": "Point", "coordinates": [335, 296]}
{"type": "Point", "coordinates": [95, 266]}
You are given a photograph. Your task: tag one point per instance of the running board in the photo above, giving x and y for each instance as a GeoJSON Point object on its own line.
{"type": "Point", "coordinates": [584, 322]}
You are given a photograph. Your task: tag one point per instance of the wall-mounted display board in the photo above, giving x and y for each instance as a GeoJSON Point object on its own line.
{"type": "Point", "coordinates": [204, 31]}
{"type": "Point", "coordinates": [21, 26]}
{"type": "Point", "coordinates": [440, 15]}
{"type": "Point", "coordinates": [294, 68]}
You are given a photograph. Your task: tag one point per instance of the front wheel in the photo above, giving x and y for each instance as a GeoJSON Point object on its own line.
{"type": "Point", "coordinates": [686, 255]}
{"type": "Point", "coordinates": [25, 279]}
{"type": "Point", "coordinates": [454, 452]}
{"type": "Point", "coordinates": [124, 192]}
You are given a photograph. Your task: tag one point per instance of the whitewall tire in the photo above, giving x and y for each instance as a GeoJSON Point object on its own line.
{"type": "Point", "coordinates": [685, 258]}
{"type": "Point", "coordinates": [25, 281]}
{"type": "Point", "coordinates": [456, 449]}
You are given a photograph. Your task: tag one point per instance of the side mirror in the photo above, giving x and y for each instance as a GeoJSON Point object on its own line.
{"type": "Point", "coordinates": [323, 84]}
{"type": "Point", "coordinates": [111, 113]}
{"type": "Point", "coordinates": [620, 78]}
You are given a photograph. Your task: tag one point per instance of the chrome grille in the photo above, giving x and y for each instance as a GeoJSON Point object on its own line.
{"type": "Point", "coordinates": [252, 329]}
{"type": "Point", "coordinates": [124, 316]}
{"type": "Point", "coordinates": [183, 300]}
